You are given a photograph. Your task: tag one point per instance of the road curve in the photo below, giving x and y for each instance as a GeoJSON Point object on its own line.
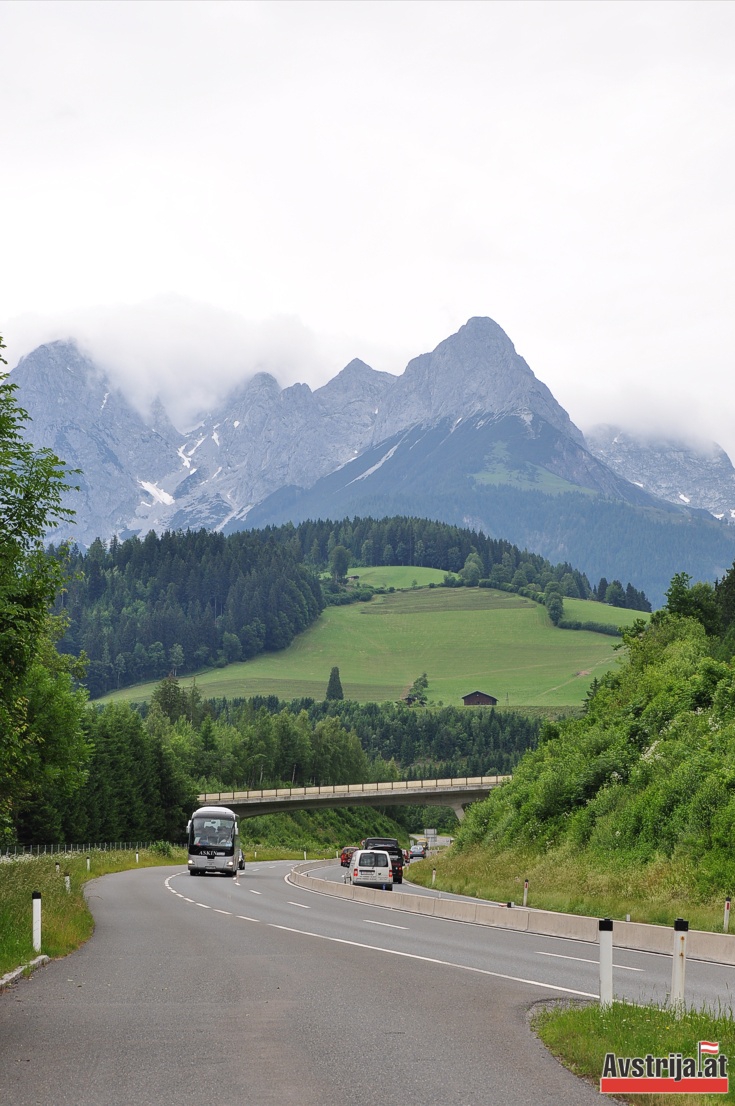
{"type": "Point", "coordinates": [196, 990]}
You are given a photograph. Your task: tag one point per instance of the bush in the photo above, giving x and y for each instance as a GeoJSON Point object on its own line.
{"type": "Point", "coordinates": [162, 848]}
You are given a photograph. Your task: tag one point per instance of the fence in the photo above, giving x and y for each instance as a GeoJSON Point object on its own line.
{"type": "Point", "coordinates": [10, 852]}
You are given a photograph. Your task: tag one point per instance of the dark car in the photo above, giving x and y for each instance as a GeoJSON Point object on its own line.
{"type": "Point", "coordinates": [418, 852]}
{"type": "Point", "coordinates": [347, 855]}
{"type": "Point", "coordinates": [394, 850]}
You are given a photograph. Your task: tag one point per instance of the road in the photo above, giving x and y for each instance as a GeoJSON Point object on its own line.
{"type": "Point", "coordinates": [256, 992]}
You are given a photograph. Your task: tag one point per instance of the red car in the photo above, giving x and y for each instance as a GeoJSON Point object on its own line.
{"type": "Point", "coordinates": [347, 855]}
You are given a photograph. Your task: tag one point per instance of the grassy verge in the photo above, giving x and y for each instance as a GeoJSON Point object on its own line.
{"type": "Point", "coordinates": [66, 920]}
{"type": "Point", "coordinates": [580, 1036]}
{"type": "Point", "coordinates": [561, 880]}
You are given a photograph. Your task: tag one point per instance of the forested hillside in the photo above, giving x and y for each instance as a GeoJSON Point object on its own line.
{"type": "Point", "coordinates": [178, 603]}
{"type": "Point", "coordinates": [647, 777]}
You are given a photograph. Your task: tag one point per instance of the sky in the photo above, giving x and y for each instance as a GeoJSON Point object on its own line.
{"type": "Point", "coordinates": [196, 191]}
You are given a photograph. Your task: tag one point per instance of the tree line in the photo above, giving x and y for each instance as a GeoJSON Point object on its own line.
{"type": "Point", "coordinates": [178, 602]}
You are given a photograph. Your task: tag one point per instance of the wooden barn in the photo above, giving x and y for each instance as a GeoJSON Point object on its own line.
{"type": "Point", "coordinates": [479, 699]}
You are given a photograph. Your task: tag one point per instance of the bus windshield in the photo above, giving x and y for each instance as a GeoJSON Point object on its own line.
{"type": "Point", "coordinates": [211, 831]}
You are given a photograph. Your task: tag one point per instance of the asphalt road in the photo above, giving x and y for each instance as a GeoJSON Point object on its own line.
{"type": "Point", "coordinates": [256, 992]}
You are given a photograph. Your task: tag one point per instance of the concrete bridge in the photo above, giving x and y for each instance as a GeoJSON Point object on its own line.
{"type": "Point", "coordinates": [456, 792]}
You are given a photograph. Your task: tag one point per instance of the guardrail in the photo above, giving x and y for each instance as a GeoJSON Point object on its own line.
{"type": "Point", "coordinates": [458, 783]}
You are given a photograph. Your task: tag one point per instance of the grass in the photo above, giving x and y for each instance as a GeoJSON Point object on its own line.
{"type": "Point", "coordinates": [465, 639]}
{"type": "Point", "coordinates": [580, 1036]}
{"type": "Point", "coordinates": [529, 478]}
{"type": "Point", "coordinates": [398, 576]}
{"type": "Point", "coordinates": [564, 881]}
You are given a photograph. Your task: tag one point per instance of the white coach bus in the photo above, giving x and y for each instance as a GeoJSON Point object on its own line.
{"type": "Point", "coordinates": [214, 841]}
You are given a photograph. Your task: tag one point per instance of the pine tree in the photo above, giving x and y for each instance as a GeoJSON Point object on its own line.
{"type": "Point", "coordinates": [334, 687]}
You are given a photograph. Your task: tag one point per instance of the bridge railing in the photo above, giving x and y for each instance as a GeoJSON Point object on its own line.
{"type": "Point", "coordinates": [460, 783]}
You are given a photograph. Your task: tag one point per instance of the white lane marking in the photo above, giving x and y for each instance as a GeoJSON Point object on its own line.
{"type": "Point", "coordinates": [303, 907]}
{"type": "Point", "coordinates": [410, 955]}
{"type": "Point", "coordinates": [389, 925]}
{"type": "Point", "coordinates": [432, 960]}
{"type": "Point", "coordinates": [252, 892]}
{"type": "Point", "coordinates": [203, 905]}
{"type": "Point", "coordinates": [581, 959]}
{"type": "Point", "coordinates": [217, 911]}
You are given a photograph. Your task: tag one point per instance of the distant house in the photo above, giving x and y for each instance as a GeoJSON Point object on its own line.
{"type": "Point", "coordinates": [479, 699]}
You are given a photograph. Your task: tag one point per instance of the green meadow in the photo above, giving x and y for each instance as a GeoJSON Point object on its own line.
{"type": "Point", "coordinates": [464, 639]}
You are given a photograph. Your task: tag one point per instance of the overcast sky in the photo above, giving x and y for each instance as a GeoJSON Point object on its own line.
{"type": "Point", "coordinates": [199, 190]}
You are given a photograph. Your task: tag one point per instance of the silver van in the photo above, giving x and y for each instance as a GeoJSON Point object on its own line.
{"type": "Point", "coordinates": [371, 868]}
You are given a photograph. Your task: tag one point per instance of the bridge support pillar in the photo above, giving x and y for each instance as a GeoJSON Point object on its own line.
{"type": "Point", "coordinates": [458, 810]}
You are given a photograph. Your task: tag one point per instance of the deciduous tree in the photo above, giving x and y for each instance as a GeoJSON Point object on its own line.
{"type": "Point", "coordinates": [32, 485]}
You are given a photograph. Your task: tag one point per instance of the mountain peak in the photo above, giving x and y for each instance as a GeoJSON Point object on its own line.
{"type": "Point", "coordinates": [473, 372]}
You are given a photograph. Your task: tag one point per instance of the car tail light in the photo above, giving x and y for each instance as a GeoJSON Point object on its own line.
{"type": "Point", "coordinates": [354, 874]}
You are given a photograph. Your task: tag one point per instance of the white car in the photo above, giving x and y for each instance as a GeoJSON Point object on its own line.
{"type": "Point", "coordinates": [371, 868]}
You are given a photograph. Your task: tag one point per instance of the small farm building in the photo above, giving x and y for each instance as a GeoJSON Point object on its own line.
{"type": "Point", "coordinates": [479, 699]}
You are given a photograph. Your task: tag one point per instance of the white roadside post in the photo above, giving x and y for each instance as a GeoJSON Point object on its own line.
{"type": "Point", "coordinates": [678, 967]}
{"type": "Point", "coordinates": [525, 892]}
{"type": "Point", "coordinates": [67, 882]}
{"type": "Point", "coordinates": [726, 921]}
{"type": "Point", "coordinates": [88, 863]}
{"type": "Point", "coordinates": [37, 921]}
{"type": "Point", "coordinates": [605, 932]}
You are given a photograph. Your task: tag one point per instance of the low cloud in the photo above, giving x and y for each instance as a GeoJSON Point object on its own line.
{"type": "Point", "coordinates": [651, 414]}
{"type": "Point", "coordinates": [189, 354]}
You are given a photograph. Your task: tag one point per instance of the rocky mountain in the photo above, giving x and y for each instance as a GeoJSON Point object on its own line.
{"type": "Point", "coordinates": [90, 425]}
{"type": "Point", "coordinates": [700, 476]}
{"type": "Point", "coordinates": [467, 434]}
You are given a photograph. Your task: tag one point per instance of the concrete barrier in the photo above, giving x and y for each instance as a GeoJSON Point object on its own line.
{"type": "Point", "coordinates": [639, 935]}
{"type": "Point", "coordinates": [487, 914]}
{"type": "Point", "coordinates": [575, 926]}
{"type": "Point", "coordinates": [716, 947]}
{"type": "Point", "coordinates": [456, 910]}
{"type": "Point", "coordinates": [416, 904]}
{"type": "Point", "coordinates": [719, 947]}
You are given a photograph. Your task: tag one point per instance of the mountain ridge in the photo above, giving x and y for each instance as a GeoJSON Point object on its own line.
{"type": "Point", "coordinates": [464, 427]}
